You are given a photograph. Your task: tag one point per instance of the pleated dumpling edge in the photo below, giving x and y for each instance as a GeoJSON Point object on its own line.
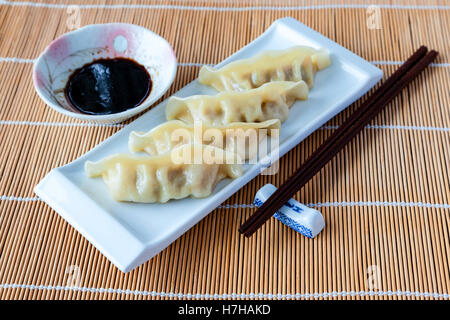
{"type": "Point", "coordinates": [174, 175]}
{"type": "Point", "coordinates": [270, 101]}
{"type": "Point", "coordinates": [292, 64]}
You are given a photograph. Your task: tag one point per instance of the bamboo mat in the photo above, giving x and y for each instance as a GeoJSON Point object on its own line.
{"type": "Point", "coordinates": [385, 198]}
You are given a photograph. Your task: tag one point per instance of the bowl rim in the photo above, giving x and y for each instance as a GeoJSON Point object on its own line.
{"type": "Point", "coordinates": [114, 117]}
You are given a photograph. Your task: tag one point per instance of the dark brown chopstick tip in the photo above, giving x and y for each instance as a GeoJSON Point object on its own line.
{"type": "Point", "coordinates": [243, 231]}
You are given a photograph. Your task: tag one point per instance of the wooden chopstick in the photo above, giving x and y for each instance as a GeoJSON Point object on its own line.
{"type": "Point", "coordinates": [333, 138]}
{"type": "Point", "coordinates": [358, 120]}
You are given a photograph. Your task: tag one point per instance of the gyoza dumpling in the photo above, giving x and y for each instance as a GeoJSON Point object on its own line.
{"type": "Point", "coordinates": [293, 64]}
{"type": "Point", "coordinates": [270, 101]}
{"type": "Point", "coordinates": [238, 137]}
{"type": "Point", "coordinates": [174, 175]}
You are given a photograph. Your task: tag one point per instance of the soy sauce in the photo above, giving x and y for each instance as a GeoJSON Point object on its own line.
{"type": "Point", "coordinates": [108, 86]}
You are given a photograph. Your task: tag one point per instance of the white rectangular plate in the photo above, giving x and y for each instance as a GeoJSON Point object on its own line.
{"type": "Point", "coordinates": [129, 233]}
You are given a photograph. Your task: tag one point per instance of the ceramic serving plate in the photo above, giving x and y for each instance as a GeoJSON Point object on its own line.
{"type": "Point", "coordinates": [130, 233]}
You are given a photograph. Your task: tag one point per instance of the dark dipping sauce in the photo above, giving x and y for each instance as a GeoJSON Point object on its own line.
{"type": "Point", "coordinates": [108, 86]}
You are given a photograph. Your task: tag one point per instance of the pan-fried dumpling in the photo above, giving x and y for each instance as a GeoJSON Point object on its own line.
{"type": "Point", "coordinates": [185, 171]}
{"type": "Point", "coordinates": [270, 101]}
{"type": "Point", "coordinates": [238, 137]}
{"type": "Point", "coordinates": [293, 64]}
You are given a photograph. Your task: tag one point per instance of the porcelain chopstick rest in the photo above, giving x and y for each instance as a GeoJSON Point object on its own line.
{"type": "Point", "coordinates": [307, 221]}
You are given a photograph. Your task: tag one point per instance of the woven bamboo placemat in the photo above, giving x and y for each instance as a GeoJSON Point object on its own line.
{"type": "Point", "coordinates": [385, 198]}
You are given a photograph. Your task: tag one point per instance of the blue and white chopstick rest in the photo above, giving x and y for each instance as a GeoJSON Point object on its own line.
{"type": "Point", "coordinates": [305, 220]}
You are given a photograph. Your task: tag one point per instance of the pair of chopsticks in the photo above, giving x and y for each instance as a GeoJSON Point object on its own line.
{"type": "Point", "coordinates": [404, 75]}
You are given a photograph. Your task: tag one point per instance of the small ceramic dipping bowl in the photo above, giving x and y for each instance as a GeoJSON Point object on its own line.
{"type": "Point", "coordinates": [75, 49]}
